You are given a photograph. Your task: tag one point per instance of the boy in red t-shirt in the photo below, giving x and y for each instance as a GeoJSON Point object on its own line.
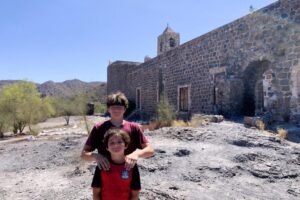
{"type": "Point", "coordinates": [118, 183]}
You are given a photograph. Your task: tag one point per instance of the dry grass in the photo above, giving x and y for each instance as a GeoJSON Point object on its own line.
{"type": "Point", "coordinates": [53, 126]}
{"type": "Point", "coordinates": [282, 133]}
{"type": "Point", "coordinates": [154, 125]}
{"type": "Point", "coordinates": [196, 121]}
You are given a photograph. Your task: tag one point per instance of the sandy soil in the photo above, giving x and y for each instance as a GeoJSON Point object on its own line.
{"type": "Point", "coordinates": [217, 161]}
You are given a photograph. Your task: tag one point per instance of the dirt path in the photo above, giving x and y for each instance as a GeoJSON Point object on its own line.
{"type": "Point", "coordinates": [217, 161]}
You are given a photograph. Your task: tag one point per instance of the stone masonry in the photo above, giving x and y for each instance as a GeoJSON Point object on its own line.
{"type": "Point", "coordinates": [247, 67]}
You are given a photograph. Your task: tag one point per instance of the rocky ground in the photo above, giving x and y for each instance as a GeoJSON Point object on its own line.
{"type": "Point", "coordinates": [216, 161]}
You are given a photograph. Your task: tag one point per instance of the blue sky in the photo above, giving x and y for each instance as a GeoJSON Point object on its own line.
{"type": "Point", "coordinates": [58, 40]}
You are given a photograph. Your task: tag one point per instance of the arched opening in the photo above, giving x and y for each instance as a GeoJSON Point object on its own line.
{"type": "Point", "coordinates": [172, 42]}
{"type": "Point", "coordinates": [253, 97]}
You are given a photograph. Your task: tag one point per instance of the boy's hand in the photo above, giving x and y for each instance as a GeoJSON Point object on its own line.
{"type": "Point", "coordinates": [102, 161]}
{"type": "Point", "coordinates": [130, 160]}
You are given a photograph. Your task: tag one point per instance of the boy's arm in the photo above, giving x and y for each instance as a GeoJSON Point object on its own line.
{"type": "Point", "coordinates": [134, 195]}
{"type": "Point", "coordinates": [135, 185]}
{"type": "Point", "coordinates": [97, 194]}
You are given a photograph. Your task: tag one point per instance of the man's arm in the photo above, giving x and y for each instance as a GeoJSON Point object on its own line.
{"type": "Point", "coordinates": [146, 152]}
{"type": "Point", "coordinates": [88, 155]}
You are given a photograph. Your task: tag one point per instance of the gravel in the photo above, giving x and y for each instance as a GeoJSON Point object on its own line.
{"type": "Point", "coordinates": [216, 161]}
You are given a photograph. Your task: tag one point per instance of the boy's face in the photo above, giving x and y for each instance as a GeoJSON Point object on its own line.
{"type": "Point", "coordinates": [116, 111]}
{"type": "Point", "coordinates": [116, 145]}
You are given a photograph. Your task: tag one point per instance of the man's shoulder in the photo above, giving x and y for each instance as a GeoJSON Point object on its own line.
{"type": "Point", "coordinates": [102, 124]}
{"type": "Point", "coordinates": [133, 124]}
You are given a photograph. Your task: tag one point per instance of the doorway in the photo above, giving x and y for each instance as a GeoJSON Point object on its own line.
{"type": "Point", "coordinates": [253, 97]}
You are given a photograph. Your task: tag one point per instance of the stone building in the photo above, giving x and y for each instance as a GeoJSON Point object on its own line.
{"type": "Point", "coordinates": [247, 67]}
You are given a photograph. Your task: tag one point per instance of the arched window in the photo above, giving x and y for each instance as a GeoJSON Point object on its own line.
{"type": "Point", "coordinates": [172, 42]}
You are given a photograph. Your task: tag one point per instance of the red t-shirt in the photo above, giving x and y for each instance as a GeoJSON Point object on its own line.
{"type": "Point", "coordinates": [95, 141]}
{"type": "Point", "coordinates": [95, 138]}
{"type": "Point", "coordinates": [117, 183]}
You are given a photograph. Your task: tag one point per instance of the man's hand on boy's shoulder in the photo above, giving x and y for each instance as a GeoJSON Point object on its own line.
{"type": "Point", "coordinates": [130, 160]}
{"type": "Point", "coordinates": [102, 161]}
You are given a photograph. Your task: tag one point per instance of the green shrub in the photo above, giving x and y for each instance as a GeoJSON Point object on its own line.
{"type": "Point", "coordinates": [35, 130]}
{"type": "Point", "coordinates": [165, 112]}
{"type": "Point", "coordinates": [21, 105]}
{"type": "Point", "coordinates": [76, 105]}
{"type": "Point", "coordinates": [100, 107]}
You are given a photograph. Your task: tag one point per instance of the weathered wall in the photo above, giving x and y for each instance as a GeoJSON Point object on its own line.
{"type": "Point", "coordinates": [226, 57]}
{"type": "Point", "coordinates": [117, 75]}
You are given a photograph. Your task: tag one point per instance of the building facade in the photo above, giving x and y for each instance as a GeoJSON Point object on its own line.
{"type": "Point", "coordinates": [248, 67]}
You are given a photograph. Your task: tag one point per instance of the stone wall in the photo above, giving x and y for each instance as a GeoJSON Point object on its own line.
{"type": "Point", "coordinates": [117, 75]}
{"type": "Point", "coordinates": [146, 79]}
{"type": "Point", "coordinates": [232, 59]}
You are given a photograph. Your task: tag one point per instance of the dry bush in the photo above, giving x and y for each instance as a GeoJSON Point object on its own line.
{"type": "Point", "coordinates": [260, 125]}
{"type": "Point", "coordinates": [165, 111]}
{"type": "Point", "coordinates": [197, 121]}
{"type": "Point", "coordinates": [254, 122]}
{"type": "Point", "coordinates": [156, 125]}
{"type": "Point", "coordinates": [282, 133]}
{"type": "Point", "coordinates": [179, 123]}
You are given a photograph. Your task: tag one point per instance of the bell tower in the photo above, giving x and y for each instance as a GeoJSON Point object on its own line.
{"type": "Point", "coordinates": [167, 40]}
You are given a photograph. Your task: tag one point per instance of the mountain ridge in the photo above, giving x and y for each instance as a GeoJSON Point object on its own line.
{"type": "Point", "coordinates": [95, 90]}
